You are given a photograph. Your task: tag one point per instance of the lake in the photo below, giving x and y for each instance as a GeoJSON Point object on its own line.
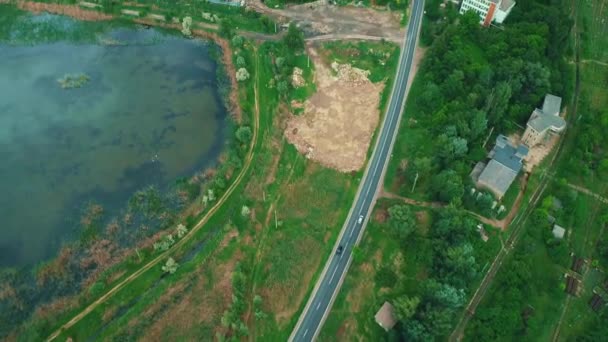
{"type": "Point", "coordinates": [149, 113]}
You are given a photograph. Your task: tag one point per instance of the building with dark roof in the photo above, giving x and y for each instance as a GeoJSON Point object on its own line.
{"type": "Point", "coordinates": [506, 161]}
{"type": "Point", "coordinates": [543, 121]}
{"type": "Point", "coordinates": [596, 302]}
{"type": "Point", "coordinates": [577, 265]}
{"type": "Point", "coordinates": [571, 285]}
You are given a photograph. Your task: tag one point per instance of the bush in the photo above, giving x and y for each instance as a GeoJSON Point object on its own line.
{"type": "Point", "coordinates": [385, 277]}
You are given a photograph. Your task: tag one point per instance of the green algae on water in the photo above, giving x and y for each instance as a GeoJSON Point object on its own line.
{"type": "Point", "coordinates": [70, 81]}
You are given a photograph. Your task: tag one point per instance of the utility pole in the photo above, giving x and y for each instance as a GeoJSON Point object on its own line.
{"type": "Point", "coordinates": [276, 223]}
{"type": "Point", "coordinates": [488, 137]}
{"type": "Point", "coordinates": [415, 180]}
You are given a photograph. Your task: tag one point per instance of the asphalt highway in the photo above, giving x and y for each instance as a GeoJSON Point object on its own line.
{"type": "Point", "coordinates": [328, 285]}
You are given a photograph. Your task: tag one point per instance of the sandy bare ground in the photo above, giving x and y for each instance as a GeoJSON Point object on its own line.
{"type": "Point", "coordinates": [319, 19]}
{"type": "Point", "coordinates": [339, 119]}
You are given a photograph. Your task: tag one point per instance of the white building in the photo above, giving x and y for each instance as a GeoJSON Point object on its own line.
{"type": "Point", "coordinates": [544, 122]}
{"type": "Point", "coordinates": [488, 10]}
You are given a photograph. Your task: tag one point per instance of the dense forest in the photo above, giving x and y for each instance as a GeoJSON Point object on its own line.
{"type": "Point", "coordinates": [450, 252]}
{"type": "Point", "coordinates": [476, 78]}
{"type": "Point", "coordinates": [473, 79]}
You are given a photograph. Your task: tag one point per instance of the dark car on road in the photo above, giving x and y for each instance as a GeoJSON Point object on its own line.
{"type": "Point", "coordinates": [339, 250]}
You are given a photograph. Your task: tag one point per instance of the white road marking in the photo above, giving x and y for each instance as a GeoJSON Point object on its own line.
{"type": "Point", "coordinates": [306, 332]}
{"type": "Point", "coordinates": [351, 233]}
{"type": "Point", "coordinates": [332, 275]}
{"type": "Point", "coordinates": [318, 306]}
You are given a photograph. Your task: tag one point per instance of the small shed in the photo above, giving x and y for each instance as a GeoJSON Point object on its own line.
{"type": "Point", "coordinates": [386, 317]}
{"type": "Point", "coordinates": [571, 285]}
{"type": "Point", "coordinates": [577, 264]}
{"type": "Point", "coordinates": [558, 231]}
{"type": "Point", "coordinates": [596, 302]}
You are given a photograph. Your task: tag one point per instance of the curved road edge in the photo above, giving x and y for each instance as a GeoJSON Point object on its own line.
{"type": "Point", "coordinates": [301, 331]}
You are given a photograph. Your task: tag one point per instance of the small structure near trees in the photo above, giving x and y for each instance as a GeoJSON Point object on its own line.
{"type": "Point", "coordinates": [571, 285]}
{"type": "Point", "coordinates": [386, 317]}
{"type": "Point", "coordinates": [506, 161]}
{"type": "Point", "coordinates": [558, 232]}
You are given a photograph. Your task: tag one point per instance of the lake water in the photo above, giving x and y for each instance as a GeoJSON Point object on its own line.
{"type": "Point", "coordinates": [150, 113]}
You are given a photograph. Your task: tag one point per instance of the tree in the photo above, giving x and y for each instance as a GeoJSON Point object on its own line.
{"type": "Point", "coordinates": [170, 266]}
{"type": "Point", "coordinates": [405, 307]}
{"type": "Point", "coordinates": [448, 186]}
{"type": "Point", "coordinates": [240, 61]}
{"type": "Point", "coordinates": [420, 167]}
{"type": "Point", "coordinates": [459, 264]}
{"type": "Point", "coordinates": [294, 39]}
{"type": "Point", "coordinates": [225, 29]}
{"type": "Point", "coordinates": [401, 220]}
{"type": "Point", "coordinates": [237, 41]}
{"type": "Point", "coordinates": [282, 87]}
{"type": "Point", "coordinates": [416, 331]}
{"type": "Point", "coordinates": [244, 134]}
{"type": "Point", "coordinates": [181, 231]}
{"type": "Point", "coordinates": [245, 211]}
{"type": "Point", "coordinates": [186, 24]}
{"type": "Point", "coordinates": [445, 295]}
{"type": "Point", "coordinates": [242, 75]}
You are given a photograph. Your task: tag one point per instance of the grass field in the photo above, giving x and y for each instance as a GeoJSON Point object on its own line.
{"type": "Point", "coordinates": [586, 168]}
{"type": "Point", "coordinates": [362, 293]}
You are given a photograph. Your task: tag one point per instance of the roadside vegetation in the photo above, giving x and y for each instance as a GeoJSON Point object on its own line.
{"type": "Point", "coordinates": [472, 80]}
{"type": "Point", "coordinates": [461, 93]}
{"type": "Point", "coordinates": [422, 261]}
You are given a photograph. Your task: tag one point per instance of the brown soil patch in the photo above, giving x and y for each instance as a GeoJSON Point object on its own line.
{"type": "Point", "coordinates": [339, 119]}
{"type": "Point", "coordinates": [346, 330]}
{"type": "Point", "coordinates": [363, 290]}
{"type": "Point", "coordinates": [74, 11]}
{"type": "Point", "coordinates": [381, 215]}
{"type": "Point", "coordinates": [537, 153]}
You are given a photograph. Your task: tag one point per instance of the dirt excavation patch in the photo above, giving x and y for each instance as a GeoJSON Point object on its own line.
{"type": "Point", "coordinates": [70, 10]}
{"type": "Point", "coordinates": [339, 119]}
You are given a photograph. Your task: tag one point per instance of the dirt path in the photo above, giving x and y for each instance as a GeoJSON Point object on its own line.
{"type": "Point", "coordinates": [322, 19]}
{"type": "Point", "coordinates": [585, 61]}
{"type": "Point", "coordinates": [163, 256]}
{"type": "Point", "coordinates": [500, 224]}
{"type": "Point", "coordinates": [588, 192]}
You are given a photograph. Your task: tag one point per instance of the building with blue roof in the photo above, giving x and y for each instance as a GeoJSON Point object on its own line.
{"type": "Point", "coordinates": [506, 161]}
